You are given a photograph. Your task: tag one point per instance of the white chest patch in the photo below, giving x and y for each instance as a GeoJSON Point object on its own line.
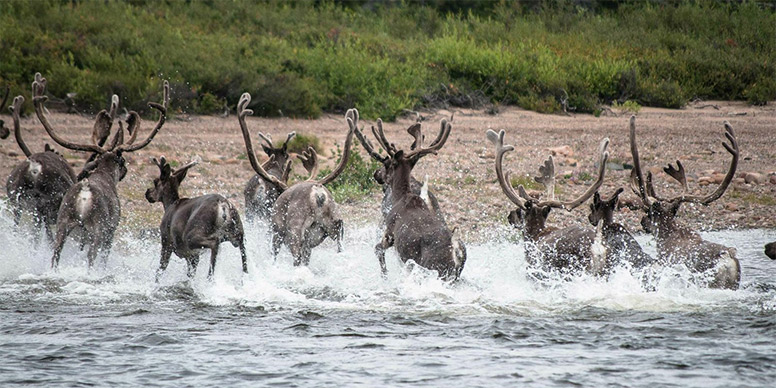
{"type": "Point", "coordinates": [34, 169]}
{"type": "Point", "coordinates": [424, 191]}
{"type": "Point", "coordinates": [83, 201]}
{"type": "Point", "coordinates": [598, 250]}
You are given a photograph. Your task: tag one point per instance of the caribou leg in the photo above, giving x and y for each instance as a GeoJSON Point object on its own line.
{"type": "Point", "coordinates": [60, 243]}
{"type": "Point", "coordinates": [164, 261]}
{"type": "Point", "coordinates": [213, 255]}
{"type": "Point", "coordinates": [380, 248]}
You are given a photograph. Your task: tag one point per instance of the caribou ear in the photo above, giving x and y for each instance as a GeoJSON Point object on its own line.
{"type": "Point", "coordinates": [267, 150]}
{"type": "Point", "coordinates": [166, 170]}
{"type": "Point", "coordinates": [596, 199]}
{"type": "Point", "coordinates": [546, 211]}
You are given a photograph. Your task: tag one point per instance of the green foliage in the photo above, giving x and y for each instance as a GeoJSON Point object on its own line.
{"type": "Point", "coordinates": [299, 59]}
{"type": "Point", "coordinates": [526, 181]}
{"type": "Point", "coordinates": [301, 142]}
{"type": "Point", "coordinates": [628, 106]}
{"type": "Point", "coordinates": [356, 181]}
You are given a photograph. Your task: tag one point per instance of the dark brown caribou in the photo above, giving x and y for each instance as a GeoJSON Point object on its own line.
{"type": "Point", "coordinates": [568, 249]}
{"type": "Point", "coordinates": [678, 244]}
{"type": "Point", "coordinates": [93, 203]}
{"type": "Point", "coordinates": [619, 244]}
{"type": "Point", "coordinates": [305, 212]}
{"type": "Point", "coordinates": [260, 194]}
{"type": "Point", "coordinates": [190, 225]}
{"type": "Point", "coordinates": [382, 177]}
{"type": "Point", "coordinates": [4, 132]}
{"type": "Point", "coordinates": [770, 250]}
{"type": "Point", "coordinates": [37, 185]}
{"type": "Point", "coordinates": [412, 223]}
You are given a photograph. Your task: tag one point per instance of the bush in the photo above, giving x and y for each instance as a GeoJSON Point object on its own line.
{"type": "Point", "coordinates": [301, 142]}
{"type": "Point", "coordinates": [762, 91]}
{"type": "Point", "coordinates": [356, 181]}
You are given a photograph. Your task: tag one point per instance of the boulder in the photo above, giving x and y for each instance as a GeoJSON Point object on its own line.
{"type": "Point", "coordinates": [565, 151]}
{"type": "Point", "coordinates": [755, 178]}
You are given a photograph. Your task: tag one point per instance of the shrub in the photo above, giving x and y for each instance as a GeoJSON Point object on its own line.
{"type": "Point", "coordinates": [356, 181]}
{"type": "Point", "coordinates": [301, 142]}
{"type": "Point", "coordinates": [762, 91]}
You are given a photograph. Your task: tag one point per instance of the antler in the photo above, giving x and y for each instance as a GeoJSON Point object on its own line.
{"type": "Point", "coordinates": [414, 131]}
{"type": "Point", "coordinates": [547, 177]}
{"type": "Point", "coordinates": [367, 144]}
{"type": "Point", "coordinates": [569, 205]}
{"type": "Point", "coordinates": [288, 138]}
{"type": "Point", "coordinates": [243, 111]}
{"type": "Point", "coordinates": [309, 160]}
{"type": "Point", "coordinates": [39, 100]}
{"type": "Point", "coordinates": [503, 179]}
{"type": "Point", "coordinates": [17, 131]}
{"type": "Point", "coordinates": [379, 134]}
{"type": "Point", "coordinates": [267, 139]}
{"type": "Point", "coordinates": [436, 145]}
{"type": "Point", "coordinates": [637, 177]}
{"type": "Point", "coordinates": [732, 148]}
{"type": "Point", "coordinates": [352, 118]}
{"type": "Point", "coordinates": [135, 124]}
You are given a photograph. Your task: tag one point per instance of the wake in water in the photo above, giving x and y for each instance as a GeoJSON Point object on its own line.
{"type": "Point", "coordinates": [496, 279]}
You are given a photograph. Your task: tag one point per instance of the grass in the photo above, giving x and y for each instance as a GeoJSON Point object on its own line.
{"type": "Point", "coordinates": [298, 59]}
{"type": "Point", "coordinates": [356, 181]}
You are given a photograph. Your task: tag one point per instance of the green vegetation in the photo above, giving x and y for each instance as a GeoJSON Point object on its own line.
{"type": "Point", "coordinates": [301, 142]}
{"type": "Point", "coordinates": [628, 106]}
{"type": "Point", "coordinates": [298, 59]}
{"type": "Point", "coordinates": [356, 181]}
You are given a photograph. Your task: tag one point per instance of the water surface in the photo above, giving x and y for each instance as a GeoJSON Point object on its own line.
{"type": "Point", "coordinates": [338, 323]}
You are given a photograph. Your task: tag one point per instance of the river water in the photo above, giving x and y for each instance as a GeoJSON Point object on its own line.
{"type": "Point", "coordinates": [338, 323]}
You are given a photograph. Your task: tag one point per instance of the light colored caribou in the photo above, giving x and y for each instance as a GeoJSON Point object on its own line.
{"type": "Point", "coordinates": [190, 225]}
{"type": "Point", "coordinates": [93, 203]}
{"type": "Point", "coordinates": [677, 244]}
{"type": "Point", "coordinates": [568, 249]}
{"type": "Point", "coordinates": [305, 212]}
{"type": "Point", "coordinates": [412, 224]}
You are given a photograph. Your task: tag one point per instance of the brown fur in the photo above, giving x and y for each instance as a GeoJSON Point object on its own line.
{"type": "Point", "coordinates": [677, 244]}
{"type": "Point", "coordinates": [192, 224]}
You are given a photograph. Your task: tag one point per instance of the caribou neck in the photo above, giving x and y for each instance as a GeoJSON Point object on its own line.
{"type": "Point", "coordinates": [400, 184]}
{"type": "Point", "coordinates": [170, 197]}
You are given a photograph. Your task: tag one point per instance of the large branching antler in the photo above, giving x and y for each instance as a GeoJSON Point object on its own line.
{"type": "Point", "coordinates": [104, 122]}
{"type": "Point", "coordinates": [637, 183]}
{"type": "Point", "coordinates": [17, 130]}
{"type": "Point", "coordinates": [547, 177]}
{"type": "Point", "coordinates": [379, 135]}
{"type": "Point", "coordinates": [368, 146]}
{"type": "Point", "coordinates": [679, 175]}
{"type": "Point", "coordinates": [242, 111]}
{"type": "Point", "coordinates": [39, 100]}
{"type": "Point", "coordinates": [436, 145]}
{"type": "Point", "coordinates": [569, 205]}
{"type": "Point", "coordinates": [309, 160]}
{"type": "Point", "coordinates": [503, 178]}
{"type": "Point", "coordinates": [352, 118]}
{"type": "Point", "coordinates": [134, 122]}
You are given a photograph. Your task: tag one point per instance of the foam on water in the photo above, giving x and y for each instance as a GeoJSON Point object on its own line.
{"type": "Point", "coordinates": [495, 280]}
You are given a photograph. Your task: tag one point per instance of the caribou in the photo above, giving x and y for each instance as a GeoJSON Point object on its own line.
{"type": "Point", "coordinates": [568, 249]}
{"type": "Point", "coordinates": [382, 177]}
{"type": "Point", "coordinates": [4, 132]}
{"type": "Point", "coordinates": [93, 203]}
{"type": "Point", "coordinates": [190, 225]}
{"type": "Point", "coordinates": [305, 212]}
{"type": "Point", "coordinates": [770, 250]}
{"type": "Point", "coordinates": [677, 244]}
{"type": "Point", "coordinates": [37, 185]}
{"type": "Point", "coordinates": [619, 244]}
{"type": "Point", "coordinates": [412, 225]}
{"type": "Point", "coordinates": [260, 194]}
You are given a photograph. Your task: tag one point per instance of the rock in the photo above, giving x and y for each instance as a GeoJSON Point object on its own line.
{"type": "Point", "coordinates": [565, 151]}
{"type": "Point", "coordinates": [717, 178]}
{"type": "Point", "coordinates": [231, 161]}
{"type": "Point", "coordinates": [755, 178]}
{"type": "Point", "coordinates": [773, 179]}
{"type": "Point", "coordinates": [738, 181]}
{"type": "Point", "coordinates": [655, 170]}
{"type": "Point", "coordinates": [704, 181]}
{"type": "Point", "coordinates": [615, 166]}
{"type": "Point", "coordinates": [13, 154]}
{"type": "Point", "coordinates": [731, 207]}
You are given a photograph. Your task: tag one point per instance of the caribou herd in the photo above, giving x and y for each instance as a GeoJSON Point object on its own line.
{"type": "Point", "coordinates": [301, 215]}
